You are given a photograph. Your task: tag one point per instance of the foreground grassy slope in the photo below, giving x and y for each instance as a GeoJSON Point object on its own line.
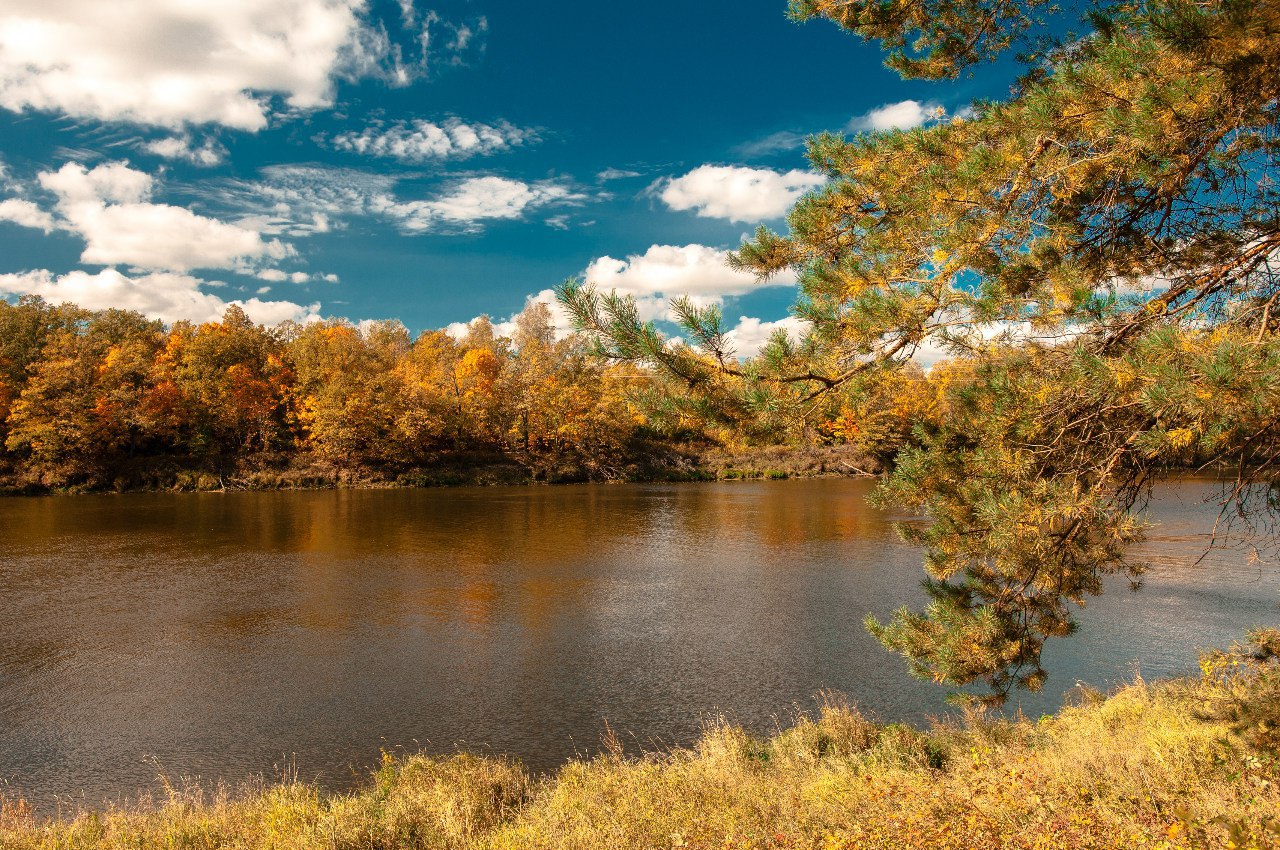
{"type": "Point", "coordinates": [1187, 763]}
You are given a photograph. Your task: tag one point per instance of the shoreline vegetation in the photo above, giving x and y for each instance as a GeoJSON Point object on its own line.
{"type": "Point", "coordinates": [1183, 763]}
{"type": "Point", "coordinates": [691, 464]}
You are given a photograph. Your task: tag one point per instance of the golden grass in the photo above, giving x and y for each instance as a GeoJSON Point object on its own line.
{"type": "Point", "coordinates": [1148, 767]}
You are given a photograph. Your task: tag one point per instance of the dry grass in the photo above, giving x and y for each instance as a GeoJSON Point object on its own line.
{"type": "Point", "coordinates": [1150, 767]}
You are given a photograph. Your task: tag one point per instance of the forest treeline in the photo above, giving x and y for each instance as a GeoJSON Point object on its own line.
{"type": "Point", "coordinates": [113, 400]}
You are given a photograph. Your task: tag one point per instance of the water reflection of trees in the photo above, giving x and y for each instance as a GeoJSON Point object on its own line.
{"type": "Point", "coordinates": [331, 560]}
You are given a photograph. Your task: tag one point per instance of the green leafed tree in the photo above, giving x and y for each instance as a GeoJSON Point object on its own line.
{"type": "Point", "coordinates": [1102, 247]}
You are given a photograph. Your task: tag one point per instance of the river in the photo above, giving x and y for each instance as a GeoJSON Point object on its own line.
{"type": "Point", "coordinates": [221, 636]}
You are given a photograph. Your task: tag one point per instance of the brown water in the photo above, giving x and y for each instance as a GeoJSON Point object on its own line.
{"type": "Point", "coordinates": [222, 635]}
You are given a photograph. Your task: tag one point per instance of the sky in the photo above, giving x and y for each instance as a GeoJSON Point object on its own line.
{"type": "Point", "coordinates": [421, 160]}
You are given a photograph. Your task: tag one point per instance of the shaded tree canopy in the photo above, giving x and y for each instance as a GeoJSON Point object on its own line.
{"type": "Point", "coordinates": [1099, 253]}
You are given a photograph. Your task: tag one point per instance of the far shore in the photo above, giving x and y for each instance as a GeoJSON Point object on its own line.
{"type": "Point", "coordinates": [477, 469]}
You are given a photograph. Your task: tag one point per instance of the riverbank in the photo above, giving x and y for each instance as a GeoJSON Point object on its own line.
{"type": "Point", "coordinates": [685, 463]}
{"type": "Point", "coordinates": [1187, 763]}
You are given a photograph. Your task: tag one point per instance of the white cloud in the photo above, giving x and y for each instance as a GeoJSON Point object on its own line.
{"type": "Point", "coordinates": [173, 63]}
{"type": "Point", "coordinates": [450, 43]}
{"type": "Point", "coordinates": [666, 271]}
{"type": "Point", "coordinates": [475, 200]}
{"type": "Point", "coordinates": [419, 141]}
{"type": "Point", "coordinates": [274, 312]}
{"type": "Point", "coordinates": [298, 200]}
{"type": "Point", "coordinates": [931, 351]}
{"type": "Point", "coordinates": [774, 143]}
{"type": "Point", "coordinates": [165, 296]}
{"type": "Point", "coordinates": [184, 148]}
{"type": "Point", "coordinates": [458, 330]}
{"type": "Point", "coordinates": [750, 334]}
{"type": "Point", "coordinates": [407, 13]}
{"type": "Point", "coordinates": [109, 208]}
{"type": "Point", "coordinates": [114, 182]}
{"type": "Point", "coordinates": [278, 276]}
{"type": "Point", "coordinates": [615, 174]}
{"type": "Point", "coordinates": [902, 115]}
{"type": "Point", "coordinates": [159, 236]}
{"type": "Point", "coordinates": [738, 193]}
{"type": "Point", "coordinates": [427, 41]}
{"type": "Point", "coordinates": [1142, 285]}
{"type": "Point", "coordinates": [26, 214]}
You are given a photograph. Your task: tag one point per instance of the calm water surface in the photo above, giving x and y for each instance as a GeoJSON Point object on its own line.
{"type": "Point", "coordinates": [220, 635]}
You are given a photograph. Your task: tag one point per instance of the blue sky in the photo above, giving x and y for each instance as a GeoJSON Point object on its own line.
{"type": "Point", "coordinates": [421, 160]}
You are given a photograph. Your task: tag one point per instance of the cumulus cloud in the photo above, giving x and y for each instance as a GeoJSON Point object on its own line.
{"type": "Point", "coordinates": [26, 214]}
{"type": "Point", "coordinates": [665, 272]}
{"type": "Point", "coordinates": [109, 207]}
{"type": "Point", "coordinates": [279, 276]}
{"type": "Point", "coordinates": [902, 115]}
{"type": "Point", "coordinates": [166, 296]}
{"type": "Point", "coordinates": [476, 200]}
{"type": "Point", "coordinates": [185, 149]}
{"type": "Point", "coordinates": [229, 63]}
{"type": "Point", "coordinates": [738, 193]}
{"type": "Point", "coordinates": [113, 182]}
{"type": "Point", "coordinates": [420, 141]}
{"type": "Point", "coordinates": [171, 64]}
{"type": "Point", "coordinates": [750, 334]}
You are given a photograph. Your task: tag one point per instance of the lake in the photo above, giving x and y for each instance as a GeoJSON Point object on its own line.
{"type": "Point", "coordinates": [221, 636]}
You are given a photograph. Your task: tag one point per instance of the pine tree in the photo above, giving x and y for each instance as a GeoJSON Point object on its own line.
{"type": "Point", "coordinates": [1102, 247]}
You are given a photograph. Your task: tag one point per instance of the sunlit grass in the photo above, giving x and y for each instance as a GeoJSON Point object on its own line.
{"type": "Point", "coordinates": [1164, 765]}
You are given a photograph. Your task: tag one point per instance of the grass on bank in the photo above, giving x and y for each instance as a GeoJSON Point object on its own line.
{"type": "Point", "coordinates": [1187, 763]}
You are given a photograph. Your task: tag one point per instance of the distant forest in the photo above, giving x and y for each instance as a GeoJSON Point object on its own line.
{"type": "Point", "coordinates": [113, 400]}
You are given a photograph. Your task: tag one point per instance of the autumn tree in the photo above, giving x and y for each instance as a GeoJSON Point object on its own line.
{"type": "Point", "coordinates": [1101, 247]}
{"type": "Point", "coordinates": [569, 415]}
{"type": "Point", "coordinates": [431, 420]}
{"type": "Point", "coordinates": [348, 392]}
{"type": "Point", "coordinates": [79, 410]}
{"type": "Point", "coordinates": [878, 412]}
{"type": "Point", "coordinates": [24, 329]}
{"type": "Point", "coordinates": [220, 389]}
{"type": "Point", "coordinates": [481, 410]}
